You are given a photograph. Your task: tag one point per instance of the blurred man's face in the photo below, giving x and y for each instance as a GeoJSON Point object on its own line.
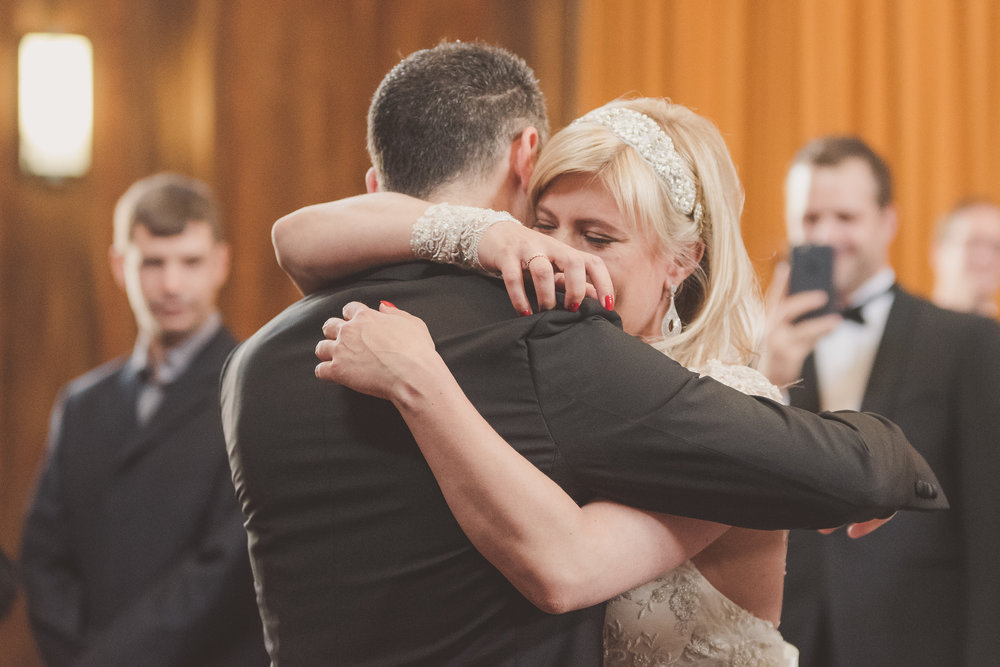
{"type": "Point", "coordinates": [837, 206]}
{"type": "Point", "coordinates": [172, 281]}
{"type": "Point", "coordinates": [968, 257]}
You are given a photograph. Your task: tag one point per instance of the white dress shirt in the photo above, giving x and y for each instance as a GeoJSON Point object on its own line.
{"type": "Point", "coordinates": [845, 356]}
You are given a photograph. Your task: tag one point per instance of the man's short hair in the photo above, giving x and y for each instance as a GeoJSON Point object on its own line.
{"type": "Point", "coordinates": [164, 204]}
{"type": "Point", "coordinates": [447, 113]}
{"type": "Point", "coordinates": [831, 151]}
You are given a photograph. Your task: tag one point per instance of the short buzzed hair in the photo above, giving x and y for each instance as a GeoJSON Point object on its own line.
{"type": "Point", "coordinates": [831, 151]}
{"type": "Point", "coordinates": [447, 113]}
{"type": "Point", "coordinates": [164, 204]}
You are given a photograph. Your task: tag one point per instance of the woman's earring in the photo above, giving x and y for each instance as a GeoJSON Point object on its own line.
{"type": "Point", "coordinates": [671, 325]}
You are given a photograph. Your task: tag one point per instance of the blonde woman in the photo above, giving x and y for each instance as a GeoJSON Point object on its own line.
{"type": "Point", "coordinates": [649, 187]}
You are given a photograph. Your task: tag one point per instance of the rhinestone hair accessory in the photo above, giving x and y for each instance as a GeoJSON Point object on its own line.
{"type": "Point", "coordinates": [654, 146]}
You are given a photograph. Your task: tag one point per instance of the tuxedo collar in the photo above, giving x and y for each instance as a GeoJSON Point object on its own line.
{"type": "Point", "coordinates": [871, 289]}
{"type": "Point", "coordinates": [890, 359]}
{"type": "Point", "coordinates": [887, 366]}
{"type": "Point", "coordinates": [856, 313]}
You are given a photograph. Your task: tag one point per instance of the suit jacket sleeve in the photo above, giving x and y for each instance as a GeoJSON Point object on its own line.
{"type": "Point", "coordinates": [633, 426]}
{"type": "Point", "coordinates": [52, 582]}
{"type": "Point", "coordinates": [192, 598]}
{"type": "Point", "coordinates": [977, 448]}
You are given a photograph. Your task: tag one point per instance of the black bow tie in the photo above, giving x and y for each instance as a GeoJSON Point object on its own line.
{"type": "Point", "coordinates": [854, 314]}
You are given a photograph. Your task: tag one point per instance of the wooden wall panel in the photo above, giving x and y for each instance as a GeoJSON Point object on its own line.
{"type": "Point", "coordinates": [60, 312]}
{"type": "Point", "coordinates": [919, 80]}
{"type": "Point", "coordinates": [266, 102]}
{"type": "Point", "coordinates": [292, 104]}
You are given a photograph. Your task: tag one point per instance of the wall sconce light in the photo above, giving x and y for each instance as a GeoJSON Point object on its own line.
{"type": "Point", "coordinates": [55, 104]}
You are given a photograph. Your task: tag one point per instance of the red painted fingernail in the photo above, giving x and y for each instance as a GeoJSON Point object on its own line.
{"type": "Point", "coordinates": [525, 313]}
{"type": "Point", "coordinates": [387, 303]}
{"type": "Point", "coordinates": [609, 302]}
{"type": "Point", "coordinates": [573, 307]}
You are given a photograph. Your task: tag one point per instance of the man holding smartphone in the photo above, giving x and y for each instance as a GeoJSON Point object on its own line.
{"type": "Point", "coordinates": [925, 589]}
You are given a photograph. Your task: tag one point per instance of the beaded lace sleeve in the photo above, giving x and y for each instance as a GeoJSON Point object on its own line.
{"type": "Point", "coordinates": [740, 378]}
{"type": "Point", "coordinates": [451, 234]}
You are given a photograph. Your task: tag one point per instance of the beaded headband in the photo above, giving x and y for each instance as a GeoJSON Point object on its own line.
{"type": "Point", "coordinates": [654, 146]}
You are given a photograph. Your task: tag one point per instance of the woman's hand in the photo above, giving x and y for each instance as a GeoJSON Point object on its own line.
{"type": "Point", "coordinates": [514, 251]}
{"type": "Point", "coordinates": [382, 353]}
{"type": "Point", "coordinates": [561, 556]}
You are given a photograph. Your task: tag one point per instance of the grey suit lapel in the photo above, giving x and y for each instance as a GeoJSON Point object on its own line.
{"type": "Point", "coordinates": [128, 391]}
{"type": "Point", "coordinates": [182, 399]}
{"type": "Point", "coordinates": [116, 426]}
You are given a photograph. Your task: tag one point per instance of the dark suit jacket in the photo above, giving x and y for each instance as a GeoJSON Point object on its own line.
{"type": "Point", "coordinates": [356, 555]}
{"type": "Point", "coordinates": [8, 584]}
{"type": "Point", "coordinates": [134, 551]}
{"type": "Point", "coordinates": [925, 588]}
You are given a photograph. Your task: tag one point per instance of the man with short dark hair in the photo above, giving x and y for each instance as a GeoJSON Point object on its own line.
{"type": "Point", "coordinates": [134, 551]}
{"type": "Point", "coordinates": [924, 589]}
{"type": "Point", "coordinates": [496, 98]}
{"type": "Point", "coordinates": [356, 555]}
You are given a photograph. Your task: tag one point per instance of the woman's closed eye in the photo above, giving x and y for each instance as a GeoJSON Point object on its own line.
{"type": "Point", "coordinates": [599, 240]}
{"type": "Point", "coordinates": [543, 226]}
{"type": "Point", "coordinates": [591, 234]}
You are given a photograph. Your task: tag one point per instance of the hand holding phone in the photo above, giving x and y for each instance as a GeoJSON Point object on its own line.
{"type": "Point", "coordinates": [812, 269]}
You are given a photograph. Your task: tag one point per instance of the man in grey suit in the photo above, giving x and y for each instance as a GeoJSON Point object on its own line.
{"type": "Point", "coordinates": [358, 559]}
{"type": "Point", "coordinates": [925, 589]}
{"type": "Point", "coordinates": [134, 550]}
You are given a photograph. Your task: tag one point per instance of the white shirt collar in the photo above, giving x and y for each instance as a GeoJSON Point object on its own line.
{"type": "Point", "coordinates": [178, 358]}
{"type": "Point", "coordinates": [871, 288]}
{"type": "Point", "coordinates": [845, 356]}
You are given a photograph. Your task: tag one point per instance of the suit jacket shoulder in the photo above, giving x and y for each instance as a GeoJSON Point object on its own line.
{"type": "Point", "coordinates": [922, 348]}
{"type": "Point", "coordinates": [207, 362]}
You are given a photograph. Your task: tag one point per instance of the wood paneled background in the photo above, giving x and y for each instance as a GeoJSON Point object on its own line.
{"type": "Point", "coordinates": [266, 101]}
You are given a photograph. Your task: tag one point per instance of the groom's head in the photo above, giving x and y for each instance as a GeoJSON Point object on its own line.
{"type": "Point", "coordinates": [448, 118]}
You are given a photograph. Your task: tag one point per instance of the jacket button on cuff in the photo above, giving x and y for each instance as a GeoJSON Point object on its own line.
{"type": "Point", "coordinates": [926, 489]}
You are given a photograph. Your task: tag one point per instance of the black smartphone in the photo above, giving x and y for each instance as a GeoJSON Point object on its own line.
{"type": "Point", "coordinates": [812, 269]}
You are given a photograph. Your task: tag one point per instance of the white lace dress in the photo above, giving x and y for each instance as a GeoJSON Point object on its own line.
{"type": "Point", "coordinates": [679, 618]}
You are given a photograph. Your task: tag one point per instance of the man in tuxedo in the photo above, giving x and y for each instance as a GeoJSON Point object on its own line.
{"type": "Point", "coordinates": [356, 556]}
{"type": "Point", "coordinates": [134, 551]}
{"type": "Point", "coordinates": [966, 258]}
{"type": "Point", "coordinates": [925, 589]}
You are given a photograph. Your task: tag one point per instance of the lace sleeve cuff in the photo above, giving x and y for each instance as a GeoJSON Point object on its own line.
{"type": "Point", "coordinates": [450, 234]}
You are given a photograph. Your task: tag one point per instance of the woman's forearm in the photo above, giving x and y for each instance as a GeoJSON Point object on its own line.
{"type": "Point", "coordinates": [320, 244]}
{"type": "Point", "coordinates": [559, 555]}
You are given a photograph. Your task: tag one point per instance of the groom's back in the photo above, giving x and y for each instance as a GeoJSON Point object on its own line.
{"type": "Point", "coordinates": [357, 557]}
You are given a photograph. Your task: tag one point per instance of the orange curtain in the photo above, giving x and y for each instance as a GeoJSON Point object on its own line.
{"type": "Point", "coordinates": [920, 81]}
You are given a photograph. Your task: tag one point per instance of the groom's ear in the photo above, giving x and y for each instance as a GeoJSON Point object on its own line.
{"type": "Point", "coordinates": [523, 153]}
{"type": "Point", "coordinates": [371, 180]}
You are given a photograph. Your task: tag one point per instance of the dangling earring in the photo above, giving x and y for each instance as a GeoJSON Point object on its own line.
{"type": "Point", "coordinates": [671, 325]}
